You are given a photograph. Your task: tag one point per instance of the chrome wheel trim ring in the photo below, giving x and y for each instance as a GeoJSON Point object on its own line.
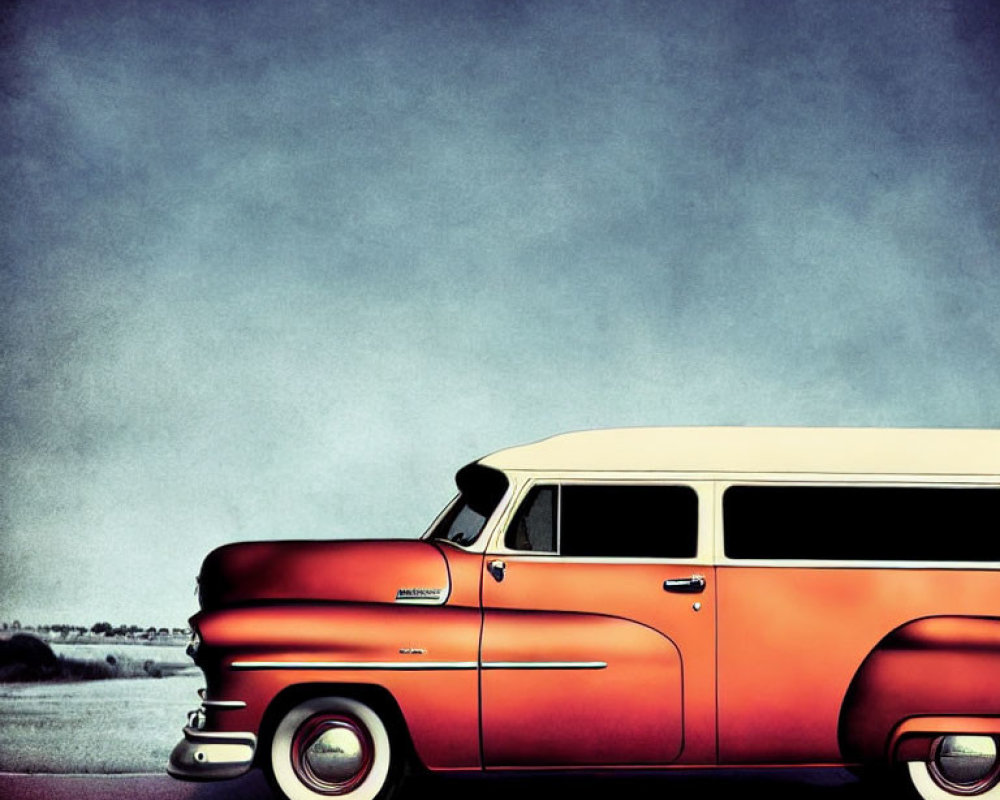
{"type": "Point", "coordinates": [331, 753]}
{"type": "Point", "coordinates": [950, 748]}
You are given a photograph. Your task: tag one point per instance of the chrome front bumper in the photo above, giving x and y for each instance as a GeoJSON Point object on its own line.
{"type": "Point", "coordinates": [207, 755]}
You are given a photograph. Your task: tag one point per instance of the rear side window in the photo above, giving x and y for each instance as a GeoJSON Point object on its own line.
{"type": "Point", "coordinates": [534, 526]}
{"type": "Point", "coordinates": [608, 521]}
{"type": "Point", "coordinates": [862, 523]}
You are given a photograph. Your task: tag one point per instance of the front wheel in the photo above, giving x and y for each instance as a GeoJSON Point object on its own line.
{"type": "Point", "coordinates": [333, 747]}
{"type": "Point", "coordinates": [961, 766]}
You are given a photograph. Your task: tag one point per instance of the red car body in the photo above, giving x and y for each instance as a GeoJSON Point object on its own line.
{"type": "Point", "coordinates": [476, 654]}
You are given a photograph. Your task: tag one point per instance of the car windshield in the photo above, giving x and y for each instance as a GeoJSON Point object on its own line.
{"type": "Point", "coordinates": [481, 489]}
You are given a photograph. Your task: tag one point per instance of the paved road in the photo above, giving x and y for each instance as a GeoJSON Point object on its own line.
{"type": "Point", "coordinates": [772, 785]}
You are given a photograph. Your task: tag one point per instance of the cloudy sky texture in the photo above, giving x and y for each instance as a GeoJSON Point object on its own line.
{"type": "Point", "coordinates": [276, 270]}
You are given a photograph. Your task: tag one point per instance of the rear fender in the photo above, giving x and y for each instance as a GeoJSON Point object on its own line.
{"type": "Point", "coordinates": [931, 676]}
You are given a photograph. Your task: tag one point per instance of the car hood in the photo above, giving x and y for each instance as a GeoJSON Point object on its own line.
{"type": "Point", "coordinates": [387, 571]}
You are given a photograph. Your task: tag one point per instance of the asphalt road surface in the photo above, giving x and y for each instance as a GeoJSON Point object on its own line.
{"type": "Point", "coordinates": [770, 785]}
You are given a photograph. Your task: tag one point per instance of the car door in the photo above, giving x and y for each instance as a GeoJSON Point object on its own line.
{"type": "Point", "coordinates": [599, 628]}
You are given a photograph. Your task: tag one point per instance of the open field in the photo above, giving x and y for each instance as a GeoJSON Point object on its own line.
{"type": "Point", "coordinates": [98, 650]}
{"type": "Point", "coordinates": [108, 726]}
{"type": "Point", "coordinates": [131, 660]}
{"type": "Point", "coordinates": [75, 637]}
{"type": "Point", "coordinates": [26, 659]}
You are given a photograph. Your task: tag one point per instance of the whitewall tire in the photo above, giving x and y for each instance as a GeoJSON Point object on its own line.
{"type": "Point", "coordinates": [329, 747]}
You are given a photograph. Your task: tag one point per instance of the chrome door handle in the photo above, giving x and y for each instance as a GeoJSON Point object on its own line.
{"type": "Point", "coordinates": [497, 569]}
{"type": "Point", "coordinates": [692, 585]}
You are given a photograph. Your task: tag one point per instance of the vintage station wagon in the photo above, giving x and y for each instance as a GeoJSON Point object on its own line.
{"type": "Point", "coordinates": [620, 599]}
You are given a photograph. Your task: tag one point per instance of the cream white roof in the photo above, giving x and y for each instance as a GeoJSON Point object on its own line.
{"type": "Point", "coordinates": [889, 451]}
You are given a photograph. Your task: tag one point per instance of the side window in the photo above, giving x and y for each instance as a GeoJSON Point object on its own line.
{"type": "Point", "coordinates": [629, 521]}
{"type": "Point", "coordinates": [534, 524]}
{"type": "Point", "coordinates": [860, 523]}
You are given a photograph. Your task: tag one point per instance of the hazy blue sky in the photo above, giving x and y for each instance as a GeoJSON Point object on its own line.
{"type": "Point", "coordinates": [277, 269]}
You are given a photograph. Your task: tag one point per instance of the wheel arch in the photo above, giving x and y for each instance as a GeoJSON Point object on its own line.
{"type": "Point", "coordinates": [926, 675]}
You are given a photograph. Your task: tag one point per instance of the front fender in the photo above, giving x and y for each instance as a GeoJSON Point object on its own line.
{"type": "Point", "coordinates": [424, 657]}
{"type": "Point", "coordinates": [934, 667]}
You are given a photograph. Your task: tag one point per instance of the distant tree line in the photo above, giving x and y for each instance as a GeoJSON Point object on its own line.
{"type": "Point", "coordinates": [107, 629]}
{"type": "Point", "coordinates": [97, 629]}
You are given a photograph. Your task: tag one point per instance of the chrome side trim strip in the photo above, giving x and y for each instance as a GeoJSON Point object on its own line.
{"type": "Point", "coordinates": [544, 664]}
{"type": "Point", "coordinates": [417, 665]}
{"type": "Point", "coordinates": [360, 665]}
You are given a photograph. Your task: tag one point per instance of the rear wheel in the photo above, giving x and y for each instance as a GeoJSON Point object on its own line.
{"type": "Point", "coordinates": [960, 766]}
{"type": "Point", "coordinates": [333, 747]}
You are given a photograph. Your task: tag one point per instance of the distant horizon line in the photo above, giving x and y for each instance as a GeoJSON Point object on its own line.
{"type": "Point", "coordinates": [57, 627]}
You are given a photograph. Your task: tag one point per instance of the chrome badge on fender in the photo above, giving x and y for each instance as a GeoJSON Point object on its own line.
{"type": "Point", "coordinates": [420, 595]}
